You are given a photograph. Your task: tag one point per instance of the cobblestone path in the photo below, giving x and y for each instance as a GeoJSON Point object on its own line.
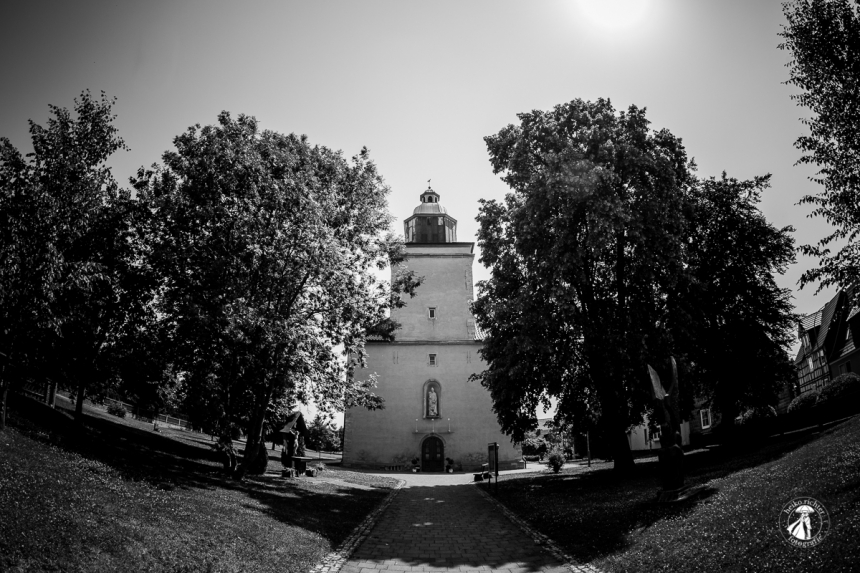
{"type": "Point", "coordinates": [449, 527]}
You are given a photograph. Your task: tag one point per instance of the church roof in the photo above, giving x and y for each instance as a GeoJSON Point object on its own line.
{"type": "Point", "coordinates": [430, 209]}
{"type": "Point", "coordinates": [474, 332]}
{"type": "Point", "coordinates": [479, 333]}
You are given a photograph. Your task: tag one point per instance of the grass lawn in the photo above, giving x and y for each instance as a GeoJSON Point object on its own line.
{"type": "Point", "coordinates": [119, 497]}
{"type": "Point", "coordinates": [616, 525]}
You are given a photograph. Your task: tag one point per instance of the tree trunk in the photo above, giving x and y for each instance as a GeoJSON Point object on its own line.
{"type": "Point", "coordinates": [614, 422]}
{"type": "Point", "coordinates": [622, 456]}
{"type": "Point", "coordinates": [3, 393]}
{"type": "Point", "coordinates": [727, 429]}
{"type": "Point", "coordinates": [79, 403]}
{"type": "Point", "coordinates": [256, 457]}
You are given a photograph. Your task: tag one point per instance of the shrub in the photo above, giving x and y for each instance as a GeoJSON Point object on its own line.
{"type": "Point", "coordinates": [116, 410]}
{"type": "Point", "coordinates": [320, 467]}
{"type": "Point", "coordinates": [842, 387]}
{"type": "Point", "coordinates": [556, 461]}
{"type": "Point", "coordinates": [754, 415]}
{"type": "Point", "coordinates": [803, 402]}
{"type": "Point", "coordinates": [534, 446]}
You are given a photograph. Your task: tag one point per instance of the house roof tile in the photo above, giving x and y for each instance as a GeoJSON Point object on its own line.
{"type": "Point", "coordinates": [811, 320]}
{"type": "Point", "coordinates": [827, 318]}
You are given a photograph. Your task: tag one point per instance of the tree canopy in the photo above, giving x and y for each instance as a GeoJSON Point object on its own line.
{"type": "Point", "coordinates": [583, 253]}
{"type": "Point", "coordinates": [265, 245]}
{"type": "Point", "coordinates": [734, 322]}
{"type": "Point", "coordinates": [69, 285]}
{"type": "Point", "coordinates": [608, 255]}
{"type": "Point", "coordinates": [823, 37]}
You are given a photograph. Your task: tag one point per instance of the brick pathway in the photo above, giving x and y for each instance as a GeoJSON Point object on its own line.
{"type": "Point", "coordinates": [437, 523]}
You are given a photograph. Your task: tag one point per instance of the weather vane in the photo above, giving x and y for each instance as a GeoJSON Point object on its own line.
{"type": "Point", "coordinates": [428, 184]}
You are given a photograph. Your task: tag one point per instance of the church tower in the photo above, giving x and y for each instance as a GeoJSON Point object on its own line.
{"type": "Point", "coordinates": [440, 311]}
{"type": "Point", "coordinates": [432, 412]}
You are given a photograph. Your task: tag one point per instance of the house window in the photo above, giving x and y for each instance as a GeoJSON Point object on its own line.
{"type": "Point", "coordinates": [432, 360]}
{"type": "Point", "coordinates": [705, 417]}
{"type": "Point", "coordinates": [431, 312]}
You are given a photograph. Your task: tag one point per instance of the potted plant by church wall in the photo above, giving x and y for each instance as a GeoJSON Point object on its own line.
{"type": "Point", "coordinates": [449, 466]}
{"type": "Point", "coordinates": [415, 467]}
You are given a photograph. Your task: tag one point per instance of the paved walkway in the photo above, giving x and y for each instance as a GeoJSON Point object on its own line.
{"type": "Point", "coordinates": [443, 523]}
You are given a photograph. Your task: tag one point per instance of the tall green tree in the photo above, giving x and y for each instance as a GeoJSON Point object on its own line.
{"type": "Point", "coordinates": [266, 245]}
{"type": "Point", "coordinates": [823, 37]}
{"type": "Point", "coordinates": [27, 266]}
{"type": "Point", "coordinates": [733, 323]}
{"type": "Point", "coordinates": [69, 281]}
{"type": "Point", "coordinates": [584, 253]}
{"type": "Point", "coordinates": [322, 435]}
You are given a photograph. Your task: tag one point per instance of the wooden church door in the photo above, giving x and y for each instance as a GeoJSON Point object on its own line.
{"type": "Point", "coordinates": [432, 455]}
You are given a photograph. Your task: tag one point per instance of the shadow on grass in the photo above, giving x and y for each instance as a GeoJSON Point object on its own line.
{"type": "Point", "coordinates": [592, 512]}
{"type": "Point", "coordinates": [190, 464]}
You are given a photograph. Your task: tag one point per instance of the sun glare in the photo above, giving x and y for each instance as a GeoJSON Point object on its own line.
{"type": "Point", "coordinates": [614, 14]}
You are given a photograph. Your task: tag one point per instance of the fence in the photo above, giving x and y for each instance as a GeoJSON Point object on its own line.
{"type": "Point", "coordinates": [40, 391]}
{"type": "Point", "coordinates": [170, 421]}
{"type": "Point", "coordinates": [37, 390]}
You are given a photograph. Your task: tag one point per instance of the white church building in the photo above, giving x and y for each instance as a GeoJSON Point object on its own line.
{"type": "Point", "coordinates": [432, 412]}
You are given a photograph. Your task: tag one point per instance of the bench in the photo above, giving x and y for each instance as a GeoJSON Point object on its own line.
{"type": "Point", "coordinates": [301, 464]}
{"type": "Point", "coordinates": [483, 474]}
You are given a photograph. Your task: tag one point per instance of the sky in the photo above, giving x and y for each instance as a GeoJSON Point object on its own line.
{"type": "Point", "coordinates": [420, 84]}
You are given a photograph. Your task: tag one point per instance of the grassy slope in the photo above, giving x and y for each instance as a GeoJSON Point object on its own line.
{"type": "Point", "coordinates": [616, 525]}
{"type": "Point", "coordinates": [118, 498]}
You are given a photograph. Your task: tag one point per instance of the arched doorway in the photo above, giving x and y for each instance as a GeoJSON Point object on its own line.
{"type": "Point", "coordinates": [432, 455]}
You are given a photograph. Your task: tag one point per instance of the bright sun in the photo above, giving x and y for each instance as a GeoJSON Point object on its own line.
{"type": "Point", "coordinates": [614, 14]}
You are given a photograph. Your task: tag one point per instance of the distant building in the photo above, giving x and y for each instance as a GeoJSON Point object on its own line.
{"type": "Point", "coordinates": [642, 438]}
{"type": "Point", "coordinates": [826, 347]}
{"type": "Point", "coordinates": [432, 411]}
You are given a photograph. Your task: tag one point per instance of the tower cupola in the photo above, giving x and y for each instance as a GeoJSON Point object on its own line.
{"type": "Point", "coordinates": [430, 222]}
{"type": "Point", "coordinates": [429, 196]}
